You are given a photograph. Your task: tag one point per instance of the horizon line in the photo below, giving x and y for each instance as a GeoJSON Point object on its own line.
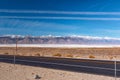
{"type": "Point", "coordinates": [81, 36]}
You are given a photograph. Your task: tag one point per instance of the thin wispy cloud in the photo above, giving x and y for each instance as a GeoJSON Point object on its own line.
{"type": "Point", "coordinates": [89, 18]}
{"type": "Point", "coordinates": [31, 27]}
{"type": "Point", "coordinates": [112, 31]}
{"type": "Point", "coordinates": [60, 18]}
{"type": "Point", "coordinates": [59, 12]}
{"type": "Point", "coordinates": [35, 24]}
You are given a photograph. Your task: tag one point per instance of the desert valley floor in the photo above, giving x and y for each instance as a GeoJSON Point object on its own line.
{"type": "Point", "coordinates": [23, 72]}
{"type": "Point", "coordinates": [91, 53]}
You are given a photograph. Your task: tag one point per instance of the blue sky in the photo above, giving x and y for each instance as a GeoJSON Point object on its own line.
{"type": "Point", "coordinates": [60, 17]}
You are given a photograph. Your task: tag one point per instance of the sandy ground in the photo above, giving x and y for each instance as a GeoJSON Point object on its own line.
{"type": "Point", "coordinates": [94, 53]}
{"type": "Point", "coordinates": [21, 72]}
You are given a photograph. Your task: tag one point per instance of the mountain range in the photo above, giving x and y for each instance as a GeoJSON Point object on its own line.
{"type": "Point", "coordinates": [83, 40]}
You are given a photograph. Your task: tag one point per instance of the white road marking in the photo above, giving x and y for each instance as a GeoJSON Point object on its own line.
{"type": "Point", "coordinates": [6, 59]}
{"type": "Point", "coordinates": [65, 64]}
{"type": "Point", "coordinates": [61, 64]}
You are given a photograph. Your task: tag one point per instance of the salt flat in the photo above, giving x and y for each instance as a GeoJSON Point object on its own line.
{"type": "Point", "coordinates": [59, 45]}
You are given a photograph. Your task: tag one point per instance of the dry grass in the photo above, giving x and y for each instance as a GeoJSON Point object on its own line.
{"type": "Point", "coordinates": [91, 56]}
{"type": "Point", "coordinates": [70, 55]}
{"type": "Point", "coordinates": [6, 53]}
{"type": "Point", "coordinates": [99, 53]}
{"type": "Point", "coordinates": [37, 54]}
{"type": "Point", "coordinates": [57, 55]}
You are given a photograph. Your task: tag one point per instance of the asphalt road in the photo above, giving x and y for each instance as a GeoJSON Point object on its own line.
{"type": "Point", "coordinates": [100, 67]}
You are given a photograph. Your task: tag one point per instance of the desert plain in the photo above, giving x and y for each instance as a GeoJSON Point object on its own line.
{"type": "Point", "coordinates": [83, 53]}
{"type": "Point", "coordinates": [22, 72]}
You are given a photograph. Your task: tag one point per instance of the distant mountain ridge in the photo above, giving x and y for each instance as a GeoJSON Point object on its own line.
{"type": "Point", "coordinates": [83, 40]}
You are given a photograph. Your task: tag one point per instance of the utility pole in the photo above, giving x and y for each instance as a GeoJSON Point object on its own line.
{"type": "Point", "coordinates": [16, 50]}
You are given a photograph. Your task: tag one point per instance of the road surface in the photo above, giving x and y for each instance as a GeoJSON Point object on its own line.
{"type": "Point", "coordinates": [101, 67]}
